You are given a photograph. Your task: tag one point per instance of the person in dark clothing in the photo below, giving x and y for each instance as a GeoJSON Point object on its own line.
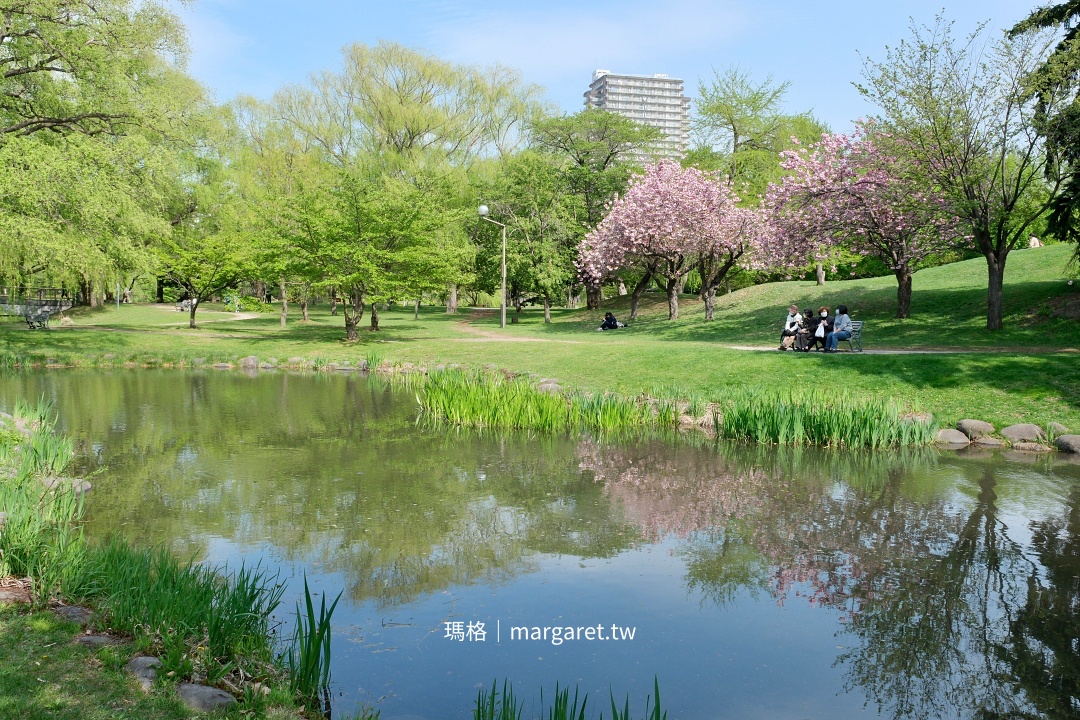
{"type": "Point", "coordinates": [610, 323]}
{"type": "Point", "coordinates": [806, 329]}
{"type": "Point", "coordinates": [821, 329]}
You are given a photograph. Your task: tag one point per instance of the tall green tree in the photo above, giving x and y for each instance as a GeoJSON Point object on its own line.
{"type": "Point", "coordinates": [966, 111]}
{"type": "Point", "coordinates": [740, 129]}
{"type": "Point", "coordinates": [86, 66]}
{"type": "Point", "coordinates": [541, 214]}
{"type": "Point", "coordinates": [1057, 119]}
{"type": "Point", "coordinates": [402, 131]}
{"type": "Point", "coordinates": [596, 151]}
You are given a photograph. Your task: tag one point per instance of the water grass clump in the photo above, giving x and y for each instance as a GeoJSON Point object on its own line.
{"type": "Point", "coordinates": [819, 418]}
{"type": "Point", "coordinates": [308, 658]}
{"type": "Point", "coordinates": [490, 400]}
{"type": "Point", "coordinates": [495, 705]}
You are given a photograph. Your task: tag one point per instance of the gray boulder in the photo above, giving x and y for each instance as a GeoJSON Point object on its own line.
{"type": "Point", "coordinates": [948, 436]}
{"type": "Point", "coordinates": [266, 366]}
{"type": "Point", "coordinates": [73, 613]}
{"type": "Point", "coordinates": [201, 698]}
{"type": "Point", "coordinates": [552, 388]}
{"type": "Point", "coordinates": [222, 366]}
{"type": "Point", "coordinates": [145, 670]}
{"type": "Point", "coordinates": [988, 442]}
{"type": "Point", "coordinates": [1068, 443]}
{"type": "Point", "coordinates": [974, 428]}
{"type": "Point", "coordinates": [96, 641]}
{"type": "Point", "coordinates": [1058, 429]}
{"type": "Point", "coordinates": [1032, 447]}
{"type": "Point", "coordinates": [1023, 432]}
{"type": "Point", "coordinates": [249, 363]}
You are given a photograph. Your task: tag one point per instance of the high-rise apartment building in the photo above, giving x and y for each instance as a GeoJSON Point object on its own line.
{"type": "Point", "coordinates": [655, 100]}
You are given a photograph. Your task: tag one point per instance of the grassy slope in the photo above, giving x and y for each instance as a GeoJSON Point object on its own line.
{"type": "Point", "coordinates": [948, 311]}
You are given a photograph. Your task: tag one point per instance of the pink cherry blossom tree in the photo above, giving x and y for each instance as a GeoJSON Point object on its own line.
{"type": "Point", "coordinates": [671, 220]}
{"type": "Point", "coordinates": [858, 191]}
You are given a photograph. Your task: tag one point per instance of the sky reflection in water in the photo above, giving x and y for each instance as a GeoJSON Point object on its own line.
{"type": "Point", "coordinates": [760, 583]}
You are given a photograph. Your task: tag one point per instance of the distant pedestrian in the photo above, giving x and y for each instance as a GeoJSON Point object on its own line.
{"type": "Point", "coordinates": [1034, 242]}
{"type": "Point", "coordinates": [841, 329]}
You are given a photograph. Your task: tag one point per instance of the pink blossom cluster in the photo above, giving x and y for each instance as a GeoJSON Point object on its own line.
{"type": "Point", "coordinates": [852, 191]}
{"type": "Point", "coordinates": [669, 217]}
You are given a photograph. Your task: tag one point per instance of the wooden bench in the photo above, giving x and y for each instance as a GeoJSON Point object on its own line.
{"type": "Point", "coordinates": [855, 341]}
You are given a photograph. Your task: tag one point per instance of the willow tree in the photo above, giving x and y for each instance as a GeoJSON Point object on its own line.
{"type": "Point", "coordinates": [93, 104]}
{"type": "Point", "coordinates": [401, 131]}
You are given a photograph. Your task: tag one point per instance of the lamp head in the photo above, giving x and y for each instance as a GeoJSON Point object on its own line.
{"type": "Point", "coordinates": [483, 211]}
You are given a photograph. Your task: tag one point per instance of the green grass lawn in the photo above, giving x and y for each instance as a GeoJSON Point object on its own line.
{"type": "Point", "coordinates": [45, 674]}
{"type": "Point", "coordinates": [1026, 372]}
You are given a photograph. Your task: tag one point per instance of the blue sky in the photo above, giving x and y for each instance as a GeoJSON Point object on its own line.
{"type": "Point", "coordinates": [257, 46]}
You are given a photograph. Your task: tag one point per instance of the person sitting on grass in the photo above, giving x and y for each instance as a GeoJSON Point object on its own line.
{"type": "Point", "coordinates": [791, 327]}
{"type": "Point", "coordinates": [841, 329]}
{"type": "Point", "coordinates": [610, 323]}
{"type": "Point", "coordinates": [819, 327]}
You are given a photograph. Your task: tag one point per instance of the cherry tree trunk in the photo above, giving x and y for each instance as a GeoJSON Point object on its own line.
{"type": "Point", "coordinates": [547, 309]}
{"type": "Point", "coordinates": [639, 290]}
{"type": "Point", "coordinates": [191, 312]}
{"type": "Point", "coordinates": [303, 308]}
{"type": "Point", "coordinates": [710, 301]}
{"type": "Point", "coordinates": [673, 299]}
{"type": "Point", "coordinates": [452, 300]}
{"type": "Point", "coordinates": [592, 297]}
{"type": "Point", "coordinates": [819, 270]}
{"type": "Point", "coordinates": [903, 292]}
{"type": "Point", "coordinates": [374, 317]}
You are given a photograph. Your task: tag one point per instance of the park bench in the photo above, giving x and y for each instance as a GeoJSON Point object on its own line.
{"type": "Point", "coordinates": [38, 319]}
{"type": "Point", "coordinates": [184, 305]}
{"type": "Point", "coordinates": [855, 341]}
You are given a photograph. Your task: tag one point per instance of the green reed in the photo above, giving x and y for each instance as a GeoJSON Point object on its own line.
{"type": "Point", "coordinates": [493, 705]}
{"type": "Point", "coordinates": [308, 659]}
{"type": "Point", "coordinates": [495, 401]}
{"type": "Point", "coordinates": [819, 418]}
{"type": "Point", "coordinates": [39, 539]}
{"type": "Point", "coordinates": [196, 612]}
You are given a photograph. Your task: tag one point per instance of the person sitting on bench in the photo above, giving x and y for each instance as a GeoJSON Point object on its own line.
{"type": "Point", "coordinates": [841, 329]}
{"type": "Point", "coordinates": [791, 327]}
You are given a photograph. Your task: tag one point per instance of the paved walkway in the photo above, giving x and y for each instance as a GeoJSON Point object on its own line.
{"type": "Point", "coordinates": [920, 351]}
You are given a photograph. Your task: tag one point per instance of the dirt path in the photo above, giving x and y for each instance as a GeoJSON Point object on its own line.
{"type": "Point", "coordinates": [480, 335]}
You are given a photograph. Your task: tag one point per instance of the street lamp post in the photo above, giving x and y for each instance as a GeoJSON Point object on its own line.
{"type": "Point", "coordinates": [483, 212]}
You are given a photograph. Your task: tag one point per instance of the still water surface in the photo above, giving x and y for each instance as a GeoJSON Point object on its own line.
{"type": "Point", "coordinates": [757, 583]}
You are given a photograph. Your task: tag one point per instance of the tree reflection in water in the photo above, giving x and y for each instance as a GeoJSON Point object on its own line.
{"type": "Point", "coordinates": [946, 613]}
{"type": "Point", "coordinates": [949, 605]}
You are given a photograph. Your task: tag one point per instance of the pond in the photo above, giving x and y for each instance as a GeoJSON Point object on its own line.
{"type": "Point", "coordinates": [751, 582]}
